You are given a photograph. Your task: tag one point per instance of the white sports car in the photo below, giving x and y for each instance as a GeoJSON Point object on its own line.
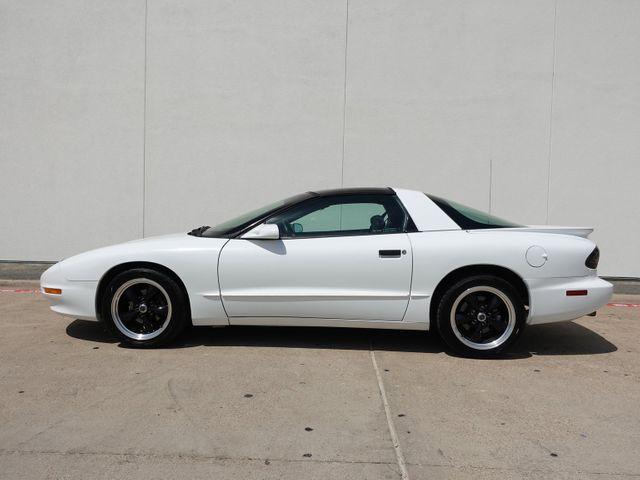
{"type": "Point", "coordinates": [356, 257]}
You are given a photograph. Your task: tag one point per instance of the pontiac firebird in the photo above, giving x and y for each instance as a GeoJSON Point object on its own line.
{"type": "Point", "coordinates": [354, 257]}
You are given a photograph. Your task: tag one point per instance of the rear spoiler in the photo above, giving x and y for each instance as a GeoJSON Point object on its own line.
{"type": "Point", "coordinates": [583, 232]}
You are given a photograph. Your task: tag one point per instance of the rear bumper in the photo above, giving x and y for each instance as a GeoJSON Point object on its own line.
{"type": "Point", "coordinates": [549, 301]}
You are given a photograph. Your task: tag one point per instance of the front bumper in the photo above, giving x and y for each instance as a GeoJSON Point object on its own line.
{"type": "Point", "coordinates": [548, 300]}
{"type": "Point", "coordinates": [77, 299]}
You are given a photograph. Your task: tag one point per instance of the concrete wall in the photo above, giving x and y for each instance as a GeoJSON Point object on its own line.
{"type": "Point", "coordinates": [127, 118]}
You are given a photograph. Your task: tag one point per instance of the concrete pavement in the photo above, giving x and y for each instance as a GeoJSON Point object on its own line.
{"type": "Point", "coordinates": [306, 403]}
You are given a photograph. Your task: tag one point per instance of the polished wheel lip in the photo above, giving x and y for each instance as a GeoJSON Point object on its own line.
{"type": "Point", "coordinates": [510, 324]}
{"type": "Point", "coordinates": [116, 316]}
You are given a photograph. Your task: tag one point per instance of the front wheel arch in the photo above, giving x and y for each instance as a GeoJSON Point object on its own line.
{"type": "Point", "coordinates": [117, 269]}
{"type": "Point", "coordinates": [472, 270]}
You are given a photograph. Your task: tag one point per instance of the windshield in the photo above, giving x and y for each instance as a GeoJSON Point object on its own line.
{"type": "Point", "coordinates": [469, 218]}
{"type": "Point", "coordinates": [235, 225]}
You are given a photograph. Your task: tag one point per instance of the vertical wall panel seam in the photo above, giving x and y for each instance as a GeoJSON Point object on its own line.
{"type": "Point", "coordinates": [553, 79]}
{"type": "Point", "coordinates": [490, 180]}
{"type": "Point", "coordinates": [144, 123]}
{"type": "Point", "coordinates": [344, 93]}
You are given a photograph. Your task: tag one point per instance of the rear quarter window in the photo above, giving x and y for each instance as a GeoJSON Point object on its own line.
{"type": "Point", "coordinates": [469, 218]}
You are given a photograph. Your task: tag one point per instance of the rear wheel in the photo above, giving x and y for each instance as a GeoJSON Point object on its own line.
{"type": "Point", "coordinates": [144, 308]}
{"type": "Point", "coordinates": [480, 316]}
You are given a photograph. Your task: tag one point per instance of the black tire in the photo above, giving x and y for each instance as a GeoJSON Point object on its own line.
{"type": "Point", "coordinates": [165, 314]}
{"type": "Point", "coordinates": [489, 316]}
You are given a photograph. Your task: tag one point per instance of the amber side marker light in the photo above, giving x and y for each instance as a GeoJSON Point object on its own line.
{"type": "Point", "coordinates": [577, 293]}
{"type": "Point", "coordinates": [53, 291]}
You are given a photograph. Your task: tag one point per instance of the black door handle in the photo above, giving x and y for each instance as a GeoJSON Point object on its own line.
{"type": "Point", "coordinates": [389, 253]}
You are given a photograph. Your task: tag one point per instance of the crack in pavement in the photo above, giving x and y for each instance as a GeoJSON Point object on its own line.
{"type": "Point", "coordinates": [174, 456]}
{"type": "Point", "coordinates": [189, 456]}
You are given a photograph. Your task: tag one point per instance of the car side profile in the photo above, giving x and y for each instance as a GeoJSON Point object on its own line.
{"type": "Point", "coordinates": [354, 257]}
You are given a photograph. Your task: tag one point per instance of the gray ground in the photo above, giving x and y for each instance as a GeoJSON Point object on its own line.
{"type": "Point", "coordinates": [258, 403]}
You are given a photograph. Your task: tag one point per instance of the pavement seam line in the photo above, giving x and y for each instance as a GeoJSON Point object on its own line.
{"type": "Point", "coordinates": [187, 456]}
{"type": "Point", "coordinates": [404, 474]}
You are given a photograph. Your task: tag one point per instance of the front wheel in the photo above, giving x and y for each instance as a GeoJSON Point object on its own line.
{"type": "Point", "coordinates": [480, 316]}
{"type": "Point", "coordinates": [144, 308]}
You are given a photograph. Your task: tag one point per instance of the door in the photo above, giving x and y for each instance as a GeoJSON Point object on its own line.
{"type": "Point", "coordinates": [339, 257]}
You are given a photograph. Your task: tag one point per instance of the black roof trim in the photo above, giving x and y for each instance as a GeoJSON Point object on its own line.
{"type": "Point", "coordinates": [354, 191]}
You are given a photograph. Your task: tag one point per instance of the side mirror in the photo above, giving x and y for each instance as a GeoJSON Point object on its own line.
{"type": "Point", "coordinates": [266, 231]}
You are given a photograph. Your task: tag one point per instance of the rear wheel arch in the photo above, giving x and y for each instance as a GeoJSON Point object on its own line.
{"type": "Point", "coordinates": [123, 267]}
{"type": "Point", "coordinates": [470, 270]}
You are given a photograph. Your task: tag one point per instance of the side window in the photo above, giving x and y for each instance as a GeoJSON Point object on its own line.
{"type": "Point", "coordinates": [342, 215]}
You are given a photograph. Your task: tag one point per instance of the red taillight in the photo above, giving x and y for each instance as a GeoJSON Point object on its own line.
{"type": "Point", "coordinates": [577, 293]}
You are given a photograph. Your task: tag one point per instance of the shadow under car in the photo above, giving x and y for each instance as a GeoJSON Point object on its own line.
{"type": "Point", "coordinates": [563, 338]}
